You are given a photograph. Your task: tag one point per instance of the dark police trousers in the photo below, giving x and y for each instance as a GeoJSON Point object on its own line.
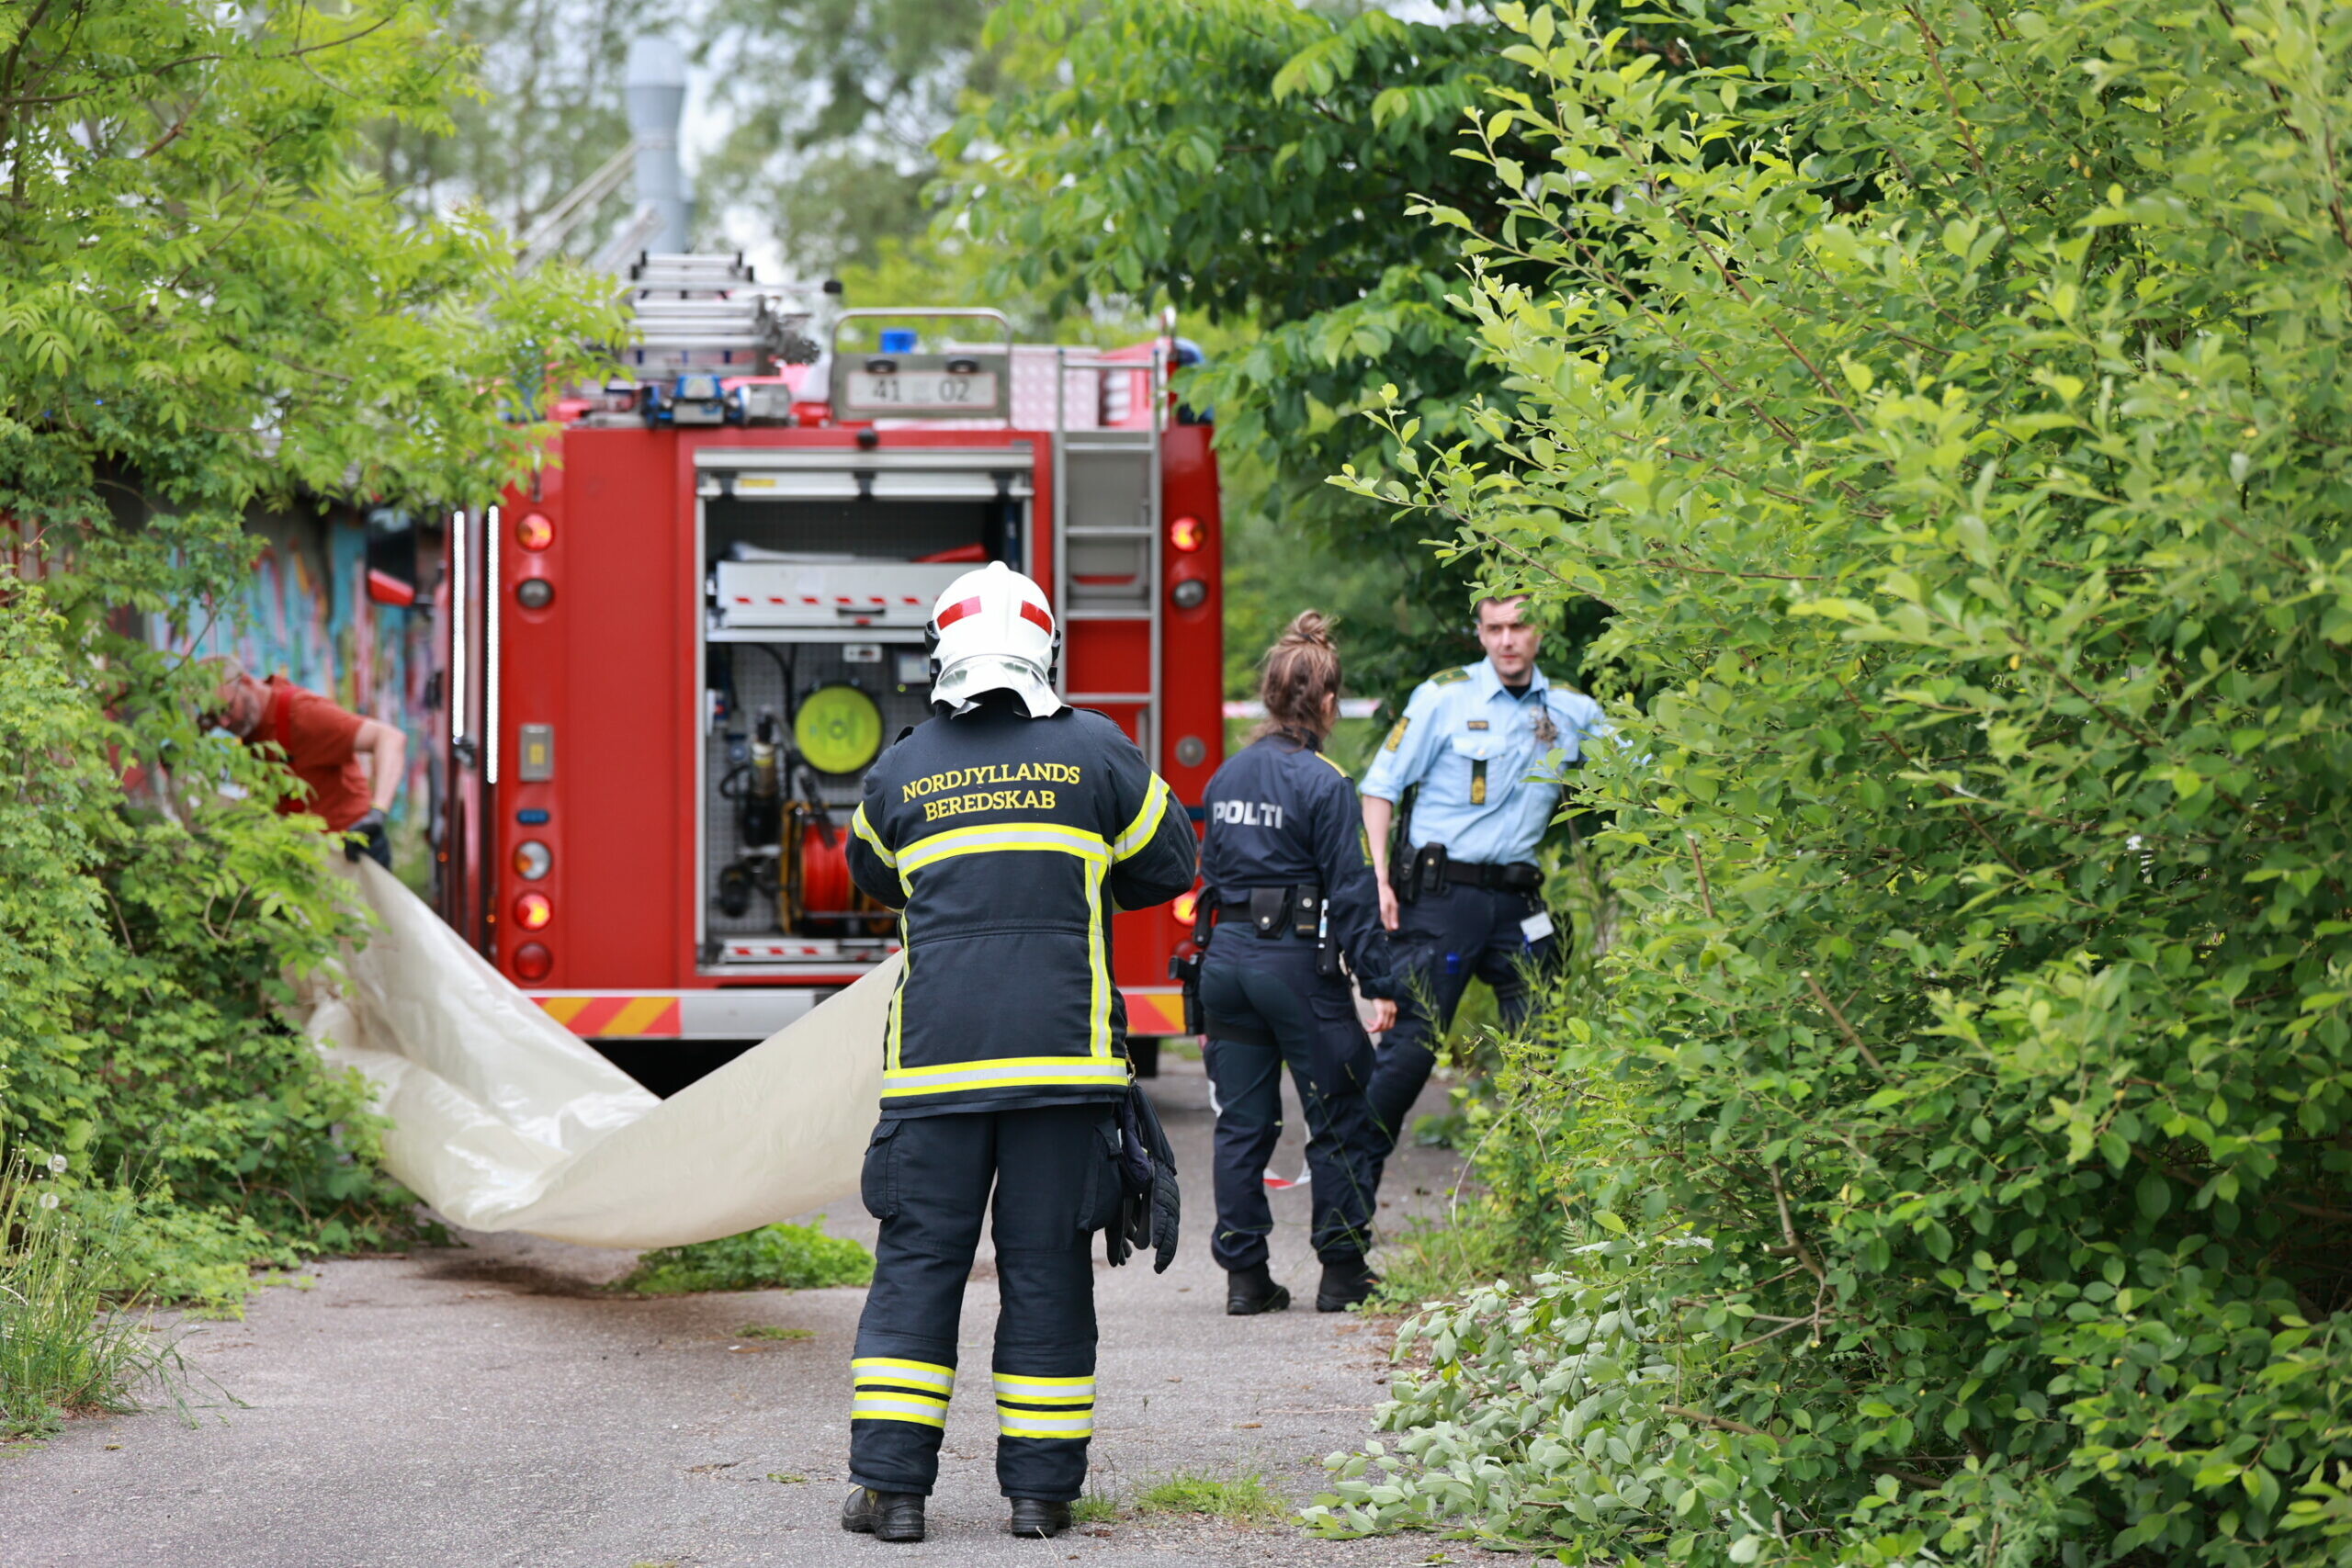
{"type": "Point", "coordinates": [927, 1179]}
{"type": "Point", "coordinates": [1264, 1005]}
{"type": "Point", "coordinates": [1442, 940]}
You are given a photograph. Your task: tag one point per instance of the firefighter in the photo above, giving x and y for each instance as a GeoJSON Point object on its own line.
{"type": "Point", "coordinates": [1287, 865]}
{"type": "Point", "coordinates": [1468, 899]}
{"type": "Point", "coordinates": [1006, 828]}
{"type": "Point", "coordinates": [322, 746]}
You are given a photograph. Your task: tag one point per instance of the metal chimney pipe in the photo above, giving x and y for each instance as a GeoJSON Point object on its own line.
{"type": "Point", "coordinates": [657, 98]}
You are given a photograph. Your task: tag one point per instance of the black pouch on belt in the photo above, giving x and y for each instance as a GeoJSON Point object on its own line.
{"type": "Point", "coordinates": [1269, 912]}
{"type": "Point", "coordinates": [1312, 914]}
{"type": "Point", "coordinates": [1428, 874]}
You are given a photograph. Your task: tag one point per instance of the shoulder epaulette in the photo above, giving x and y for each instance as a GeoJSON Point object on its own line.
{"type": "Point", "coordinates": [1335, 767]}
{"type": "Point", "coordinates": [1449, 677]}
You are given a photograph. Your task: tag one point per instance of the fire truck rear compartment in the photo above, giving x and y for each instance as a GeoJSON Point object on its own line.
{"type": "Point", "coordinates": [812, 590]}
{"type": "Point", "coordinates": [759, 675]}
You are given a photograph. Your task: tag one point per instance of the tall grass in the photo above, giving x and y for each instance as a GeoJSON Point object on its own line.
{"type": "Point", "coordinates": [65, 1347]}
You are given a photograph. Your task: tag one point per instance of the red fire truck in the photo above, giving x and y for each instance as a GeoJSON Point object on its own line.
{"type": "Point", "coordinates": [673, 654]}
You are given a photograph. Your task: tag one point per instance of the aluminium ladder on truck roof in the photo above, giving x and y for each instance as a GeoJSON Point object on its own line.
{"type": "Point", "coordinates": [708, 313]}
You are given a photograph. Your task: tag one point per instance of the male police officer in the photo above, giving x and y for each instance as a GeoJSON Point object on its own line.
{"type": "Point", "coordinates": [1005, 827]}
{"type": "Point", "coordinates": [1468, 900]}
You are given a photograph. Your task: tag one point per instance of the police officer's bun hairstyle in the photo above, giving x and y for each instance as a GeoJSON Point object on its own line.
{"type": "Point", "coordinates": [1300, 675]}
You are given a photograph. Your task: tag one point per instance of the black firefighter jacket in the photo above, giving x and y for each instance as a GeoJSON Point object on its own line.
{"type": "Point", "coordinates": [1007, 841]}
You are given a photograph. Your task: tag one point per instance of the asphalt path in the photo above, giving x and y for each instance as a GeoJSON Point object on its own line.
{"type": "Point", "coordinates": [493, 1405]}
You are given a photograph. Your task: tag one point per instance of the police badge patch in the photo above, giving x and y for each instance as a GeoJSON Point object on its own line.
{"type": "Point", "coordinates": [1546, 730]}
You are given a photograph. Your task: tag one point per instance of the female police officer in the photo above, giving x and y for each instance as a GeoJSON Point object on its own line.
{"type": "Point", "coordinates": [1285, 863]}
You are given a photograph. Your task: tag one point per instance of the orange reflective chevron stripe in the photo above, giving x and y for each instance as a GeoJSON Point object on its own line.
{"type": "Point", "coordinates": [645, 1015]}
{"type": "Point", "coordinates": [606, 1017]}
{"type": "Point", "coordinates": [1155, 1012]}
{"type": "Point", "coordinates": [563, 1010]}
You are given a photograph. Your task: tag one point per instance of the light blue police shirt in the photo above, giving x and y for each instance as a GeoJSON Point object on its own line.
{"type": "Point", "coordinates": [1483, 759]}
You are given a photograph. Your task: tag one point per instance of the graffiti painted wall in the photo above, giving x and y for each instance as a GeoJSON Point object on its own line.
{"type": "Point", "coordinates": [305, 615]}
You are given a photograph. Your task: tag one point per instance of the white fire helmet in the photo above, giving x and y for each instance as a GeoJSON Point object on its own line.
{"type": "Point", "coordinates": [991, 631]}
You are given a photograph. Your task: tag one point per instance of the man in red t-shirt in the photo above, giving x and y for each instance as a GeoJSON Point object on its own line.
{"type": "Point", "coordinates": [322, 744]}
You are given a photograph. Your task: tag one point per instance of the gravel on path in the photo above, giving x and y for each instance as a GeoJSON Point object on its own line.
{"type": "Point", "coordinates": [491, 1404]}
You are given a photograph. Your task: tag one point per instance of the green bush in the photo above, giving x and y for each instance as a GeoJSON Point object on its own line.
{"type": "Point", "coordinates": [1949, 401]}
{"type": "Point", "coordinates": [773, 1257]}
{"type": "Point", "coordinates": [210, 307]}
{"type": "Point", "coordinates": [148, 954]}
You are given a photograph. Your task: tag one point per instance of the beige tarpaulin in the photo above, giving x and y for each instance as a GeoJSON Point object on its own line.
{"type": "Point", "coordinates": [502, 1120]}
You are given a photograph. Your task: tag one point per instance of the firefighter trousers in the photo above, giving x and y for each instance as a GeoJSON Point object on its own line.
{"type": "Point", "coordinates": [1054, 1170]}
{"type": "Point", "coordinates": [1443, 940]}
{"type": "Point", "coordinates": [1264, 1006]}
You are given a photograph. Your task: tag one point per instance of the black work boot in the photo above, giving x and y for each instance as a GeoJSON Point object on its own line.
{"type": "Point", "coordinates": [884, 1516]}
{"type": "Point", "coordinates": [1037, 1519]}
{"type": "Point", "coordinates": [1248, 1292]}
{"type": "Point", "coordinates": [1345, 1284]}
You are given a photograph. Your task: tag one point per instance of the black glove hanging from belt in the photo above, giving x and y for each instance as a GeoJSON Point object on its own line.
{"type": "Point", "coordinates": [1151, 1207]}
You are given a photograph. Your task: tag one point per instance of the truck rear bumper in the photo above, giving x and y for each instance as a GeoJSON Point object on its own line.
{"type": "Point", "coordinates": [680, 1015]}
{"type": "Point", "coordinates": [754, 1013]}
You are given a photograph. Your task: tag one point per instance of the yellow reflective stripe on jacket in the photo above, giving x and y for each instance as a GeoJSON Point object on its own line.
{"type": "Point", "coordinates": [864, 830]}
{"type": "Point", "coordinates": [1047, 836]}
{"type": "Point", "coordinates": [1147, 823]}
{"type": "Point", "coordinates": [1098, 968]}
{"type": "Point", "coordinates": [1014, 1072]}
{"type": "Point", "coordinates": [899, 999]}
{"type": "Point", "coordinates": [867, 1371]}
